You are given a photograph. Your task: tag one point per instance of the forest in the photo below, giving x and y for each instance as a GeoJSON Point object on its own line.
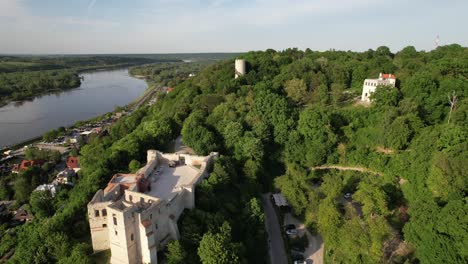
{"type": "Point", "coordinates": [277, 127]}
{"type": "Point", "coordinates": [170, 73]}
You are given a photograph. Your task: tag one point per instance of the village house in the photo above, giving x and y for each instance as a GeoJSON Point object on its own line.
{"type": "Point", "coordinates": [73, 163]}
{"type": "Point", "coordinates": [52, 188]}
{"type": "Point", "coordinates": [65, 177]}
{"type": "Point", "coordinates": [136, 214]}
{"type": "Point", "coordinates": [22, 215]}
{"type": "Point", "coordinates": [370, 85]}
{"type": "Point", "coordinates": [25, 164]}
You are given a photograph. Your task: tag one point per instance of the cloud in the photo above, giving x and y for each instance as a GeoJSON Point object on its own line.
{"type": "Point", "coordinates": [213, 25]}
{"type": "Point", "coordinates": [17, 15]}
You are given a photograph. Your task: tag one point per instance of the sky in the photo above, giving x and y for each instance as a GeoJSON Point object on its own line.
{"type": "Point", "coordinates": [182, 26]}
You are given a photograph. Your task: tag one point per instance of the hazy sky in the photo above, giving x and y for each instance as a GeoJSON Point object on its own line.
{"type": "Point", "coordinates": [168, 26]}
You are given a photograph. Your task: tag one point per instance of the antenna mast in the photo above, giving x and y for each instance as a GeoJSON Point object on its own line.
{"type": "Point", "coordinates": [437, 40]}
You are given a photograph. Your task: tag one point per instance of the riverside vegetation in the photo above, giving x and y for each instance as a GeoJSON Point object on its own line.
{"type": "Point", "coordinates": [24, 77]}
{"type": "Point", "coordinates": [293, 111]}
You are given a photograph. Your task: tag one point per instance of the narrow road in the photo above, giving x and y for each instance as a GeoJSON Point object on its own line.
{"type": "Point", "coordinates": [145, 97]}
{"type": "Point", "coordinates": [345, 168]}
{"type": "Point", "coordinates": [275, 239]}
{"type": "Point", "coordinates": [314, 251]}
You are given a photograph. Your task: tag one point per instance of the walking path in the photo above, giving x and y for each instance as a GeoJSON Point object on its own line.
{"type": "Point", "coordinates": [345, 168]}
{"type": "Point", "coordinates": [272, 226]}
{"type": "Point", "coordinates": [314, 251]}
{"type": "Point", "coordinates": [179, 147]}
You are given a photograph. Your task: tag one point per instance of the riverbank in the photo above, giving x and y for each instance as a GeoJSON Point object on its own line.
{"type": "Point", "coordinates": [100, 93]}
{"type": "Point", "coordinates": [128, 108]}
{"type": "Point", "coordinates": [77, 81]}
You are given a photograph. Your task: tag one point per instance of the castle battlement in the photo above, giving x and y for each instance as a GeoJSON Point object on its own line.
{"type": "Point", "coordinates": [137, 213]}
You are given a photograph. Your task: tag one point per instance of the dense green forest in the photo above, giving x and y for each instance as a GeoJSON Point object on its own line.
{"type": "Point", "coordinates": [292, 112]}
{"type": "Point", "coordinates": [10, 64]}
{"type": "Point", "coordinates": [23, 85]}
{"type": "Point", "coordinates": [170, 73]}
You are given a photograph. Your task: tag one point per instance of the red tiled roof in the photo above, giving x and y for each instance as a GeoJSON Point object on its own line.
{"type": "Point", "coordinates": [25, 164]}
{"type": "Point", "coordinates": [388, 76]}
{"type": "Point", "coordinates": [73, 162]}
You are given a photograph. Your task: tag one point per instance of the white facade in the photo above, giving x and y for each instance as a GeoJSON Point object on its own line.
{"type": "Point", "coordinates": [239, 68]}
{"type": "Point", "coordinates": [52, 188]}
{"type": "Point", "coordinates": [370, 85]}
{"type": "Point", "coordinates": [137, 213]}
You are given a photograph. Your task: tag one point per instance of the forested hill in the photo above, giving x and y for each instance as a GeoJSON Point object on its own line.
{"type": "Point", "coordinates": [293, 111]}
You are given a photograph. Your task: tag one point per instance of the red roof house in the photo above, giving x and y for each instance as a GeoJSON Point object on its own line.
{"type": "Point", "coordinates": [73, 162]}
{"type": "Point", "coordinates": [387, 76]}
{"type": "Point", "coordinates": [25, 164]}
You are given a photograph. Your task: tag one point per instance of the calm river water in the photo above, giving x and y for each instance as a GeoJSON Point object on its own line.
{"type": "Point", "coordinates": [99, 93]}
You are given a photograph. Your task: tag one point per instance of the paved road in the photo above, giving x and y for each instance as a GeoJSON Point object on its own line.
{"type": "Point", "coordinates": [314, 252]}
{"type": "Point", "coordinates": [272, 226]}
{"type": "Point", "coordinates": [60, 149]}
{"type": "Point", "coordinates": [146, 96]}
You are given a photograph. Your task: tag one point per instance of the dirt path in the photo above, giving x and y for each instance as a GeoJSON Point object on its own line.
{"type": "Point", "coordinates": [346, 168]}
{"type": "Point", "coordinates": [179, 147]}
{"type": "Point", "coordinates": [314, 251]}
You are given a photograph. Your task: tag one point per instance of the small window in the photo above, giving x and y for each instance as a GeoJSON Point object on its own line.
{"type": "Point", "coordinates": [151, 216]}
{"type": "Point", "coordinates": [115, 220]}
{"type": "Point", "coordinates": [104, 212]}
{"type": "Point", "coordinates": [130, 198]}
{"type": "Point", "coordinates": [142, 200]}
{"type": "Point", "coordinates": [96, 213]}
{"type": "Point", "coordinates": [131, 237]}
{"type": "Point", "coordinates": [115, 232]}
{"type": "Point", "coordinates": [104, 225]}
{"type": "Point", "coordinates": [365, 94]}
{"type": "Point", "coordinates": [156, 226]}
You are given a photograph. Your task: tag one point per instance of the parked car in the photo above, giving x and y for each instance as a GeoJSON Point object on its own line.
{"type": "Point", "coordinates": [300, 262]}
{"type": "Point", "coordinates": [347, 195]}
{"type": "Point", "coordinates": [290, 226]}
{"type": "Point", "coordinates": [296, 250]}
{"type": "Point", "coordinates": [297, 257]}
{"type": "Point", "coordinates": [291, 232]}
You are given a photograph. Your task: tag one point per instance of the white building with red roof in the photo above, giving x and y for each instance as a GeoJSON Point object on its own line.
{"type": "Point", "coordinates": [369, 86]}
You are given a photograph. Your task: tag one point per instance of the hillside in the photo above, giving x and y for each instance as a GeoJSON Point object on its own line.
{"type": "Point", "coordinates": [293, 111]}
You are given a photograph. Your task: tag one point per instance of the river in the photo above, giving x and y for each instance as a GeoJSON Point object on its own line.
{"type": "Point", "coordinates": [100, 92]}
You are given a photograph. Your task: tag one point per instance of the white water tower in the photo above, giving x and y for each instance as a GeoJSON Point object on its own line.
{"type": "Point", "coordinates": [240, 68]}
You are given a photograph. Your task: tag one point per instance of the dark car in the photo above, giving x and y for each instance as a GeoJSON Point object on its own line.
{"type": "Point", "coordinates": [297, 257]}
{"type": "Point", "coordinates": [289, 227]}
{"type": "Point", "coordinates": [296, 250]}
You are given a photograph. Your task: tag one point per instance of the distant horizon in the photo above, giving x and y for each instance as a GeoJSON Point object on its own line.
{"type": "Point", "coordinates": [210, 52]}
{"type": "Point", "coordinates": [219, 26]}
{"type": "Point", "coordinates": [104, 54]}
